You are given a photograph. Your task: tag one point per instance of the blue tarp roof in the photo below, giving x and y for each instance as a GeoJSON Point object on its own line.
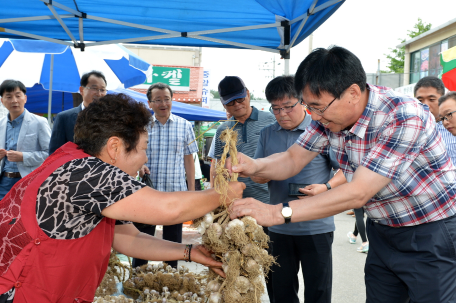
{"type": "Point", "coordinates": [37, 102]}
{"type": "Point", "coordinates": [206, 23]}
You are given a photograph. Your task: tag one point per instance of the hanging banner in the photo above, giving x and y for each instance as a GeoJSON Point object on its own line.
{"type": "Point", "coordinates": [206, 96]}
{"type": "Point", "coordinates": [177, 78]}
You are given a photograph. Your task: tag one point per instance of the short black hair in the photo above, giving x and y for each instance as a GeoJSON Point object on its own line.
{"type": "Point", "coordinates": [281, 87]}
{"type": "Point", "coordinates": [158, 85]}
{"type": "Point", "coordinates": [112, 115]}
{"type": "Point", "coordinates": [11, 85]}
{"type": "Point", "coordinates": [86, 76]}
{"type": "Point", "coordinates": [430, 81]}
{"type": "Point", "coordinates": [331, 70]}
{"type": "Point", "coordinates": [449, 95]}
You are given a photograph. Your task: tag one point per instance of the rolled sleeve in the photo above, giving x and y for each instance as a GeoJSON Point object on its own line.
{"type": "Point", "coordinates": [397, 147]}
{"type": "Point", "coordinates": [191, 146]}
{"type": "Point", "coordinates": [314, 139]}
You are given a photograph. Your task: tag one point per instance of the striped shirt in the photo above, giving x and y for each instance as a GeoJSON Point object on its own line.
{"type": "Point", "coordinates": [450, 141]}
{"type": "Point", "coordinates": [248, 135]}
{"type": "Point", "coordinates": [396, 137]}
{"type": "Point", "coordinates": [168, 144]}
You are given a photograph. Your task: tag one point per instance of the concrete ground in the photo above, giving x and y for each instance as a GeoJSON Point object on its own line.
{"type": "Point", "coordinates": [348, 264]}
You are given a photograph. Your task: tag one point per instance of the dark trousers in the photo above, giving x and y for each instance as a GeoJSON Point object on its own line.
{"type": "Point", "coordinates": [171, 233]}
{"type": "Point", "coordinates": [414, 264]}
{"type": "Point", "coordinates": [6, 184]}
{"type": "Point", "coordinates": [314, 254]}
{"type": "Point", "coordinates": [147, 229]}
{"type": "Point", "coordinates": [359, 225]}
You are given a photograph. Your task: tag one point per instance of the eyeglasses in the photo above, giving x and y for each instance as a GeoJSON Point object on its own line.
{"type": "Point", "coordinates": [447, 117]}
{"type": "Point", "coordinates": [286, 109]}
{"type": "Point", "coordinates": [96, 90]}
{"type": "Point", "coordinates": [240, 100]}
{"type": "Point", "coordinates": [319, 111]}
{"type": "Point", "coordinates": [166, 101]}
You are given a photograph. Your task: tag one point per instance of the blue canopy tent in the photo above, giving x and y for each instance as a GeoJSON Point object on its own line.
{"type": "Point", "coordinates": [37, 103]}
{"type": "Point", "coordinates": [268, 25]}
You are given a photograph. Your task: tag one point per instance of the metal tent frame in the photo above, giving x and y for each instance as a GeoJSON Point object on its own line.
{"type": "Point", "coordinates": [283, 26]}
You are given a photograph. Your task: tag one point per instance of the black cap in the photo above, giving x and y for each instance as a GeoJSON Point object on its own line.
{"type": "Point", "coordinates": [231, 88]}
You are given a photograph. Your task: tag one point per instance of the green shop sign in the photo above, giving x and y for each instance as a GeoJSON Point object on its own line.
{"type": "Point", "coordinates": [176, 77]}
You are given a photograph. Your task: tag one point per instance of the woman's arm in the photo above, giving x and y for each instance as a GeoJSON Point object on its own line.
{"type": "Point", "coordinates": [150, 206]}
{"type": "Point", "coordinates": [130, 241]}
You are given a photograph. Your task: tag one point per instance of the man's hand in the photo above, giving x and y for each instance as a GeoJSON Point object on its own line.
{"type": "Point", "coordinates": [246, 166]}
{"type": "Point", "coordinates": [259, 180]}
{"type": "Point", "coordinates": [14, 156]}
{"type": "Point", "coordinates": [265, 214]}
{"type": "Point", "coordinates": [144, 170]}
{"type": "Point", "coordinates": [201, 255]}
{"type": "Point", "coordinates": [312, 190]}
{"type": "Point", "coordinates": [2, 153]}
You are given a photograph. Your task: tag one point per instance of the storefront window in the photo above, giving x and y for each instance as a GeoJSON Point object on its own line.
{"type": "Point", "coordinates": [415, 67]}
{"type": "Point", "coordinates": [434, 60]}
{"type": "Point", "coordinates": [424, 68]}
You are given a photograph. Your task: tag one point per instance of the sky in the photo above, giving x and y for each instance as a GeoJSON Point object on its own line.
{"type": "Point", "coordinates": [367, 28]}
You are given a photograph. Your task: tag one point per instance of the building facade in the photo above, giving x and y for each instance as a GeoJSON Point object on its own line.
{"type": "Point", "coordinates": [422, 53]}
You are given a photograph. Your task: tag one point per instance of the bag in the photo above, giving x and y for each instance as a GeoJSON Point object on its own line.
{"type": "Point", "coordinates": [148, 181]}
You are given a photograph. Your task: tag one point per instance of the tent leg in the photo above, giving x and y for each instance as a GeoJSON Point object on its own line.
{"type": "Point", "coordinates": [287, 67]}
{"type": "Point", "coordinates": [51, 74]}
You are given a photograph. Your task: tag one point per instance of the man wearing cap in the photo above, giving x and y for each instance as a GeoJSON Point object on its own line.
{"type": "Point", "coordinates": [248, 122]}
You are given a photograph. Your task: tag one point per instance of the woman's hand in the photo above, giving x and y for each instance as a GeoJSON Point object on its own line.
{"type": "Point", "coordinates": [312, 190]}
{"type": "Point", "coordinates": [235, 190]}
{"type": "Point", "coordinates": [201, 255]}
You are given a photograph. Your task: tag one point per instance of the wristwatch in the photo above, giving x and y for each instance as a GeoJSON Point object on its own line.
{"type": "Point", "coordinates": [328, 186]}
{"type": "Point", "coordinates": [286, 212]}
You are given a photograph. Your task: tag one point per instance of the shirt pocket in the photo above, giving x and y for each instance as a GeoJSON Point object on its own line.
{"type": "Point", "coordinates": [178, 145]}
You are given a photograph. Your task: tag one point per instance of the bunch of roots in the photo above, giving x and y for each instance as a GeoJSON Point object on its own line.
{"type": "Point", "coordinates": [155, 283]}
{"type": "Point", "coordinates": [239, 244]}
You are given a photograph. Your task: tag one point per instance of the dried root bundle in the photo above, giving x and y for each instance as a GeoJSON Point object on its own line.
{"type": "Point", "coordinates": [164, 284]}
{"type": "Point", "coordinates": [239, 244]}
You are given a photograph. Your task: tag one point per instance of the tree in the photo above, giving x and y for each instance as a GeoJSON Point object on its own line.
{"type": "Point", "coordinates": [215, 94]}
{"type": "Point", "coordinates": [396, 58]}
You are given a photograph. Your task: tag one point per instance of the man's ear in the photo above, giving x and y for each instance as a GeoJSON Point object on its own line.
{"type": "Point", "coordinates": [81, 88]}
{"type": "Point", "coordinates": [355, 93]}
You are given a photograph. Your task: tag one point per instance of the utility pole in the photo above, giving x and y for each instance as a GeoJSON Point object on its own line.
{"type": "Point", "coordinates": [266, 66]}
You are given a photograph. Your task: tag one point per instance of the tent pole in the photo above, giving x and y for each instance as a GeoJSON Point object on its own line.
{"type": "Point", "coordinates": [287, 67]}
{"type": "Point", "coordinates": [51, 74]}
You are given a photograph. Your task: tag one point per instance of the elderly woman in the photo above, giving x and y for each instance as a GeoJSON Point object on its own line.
{"type": "Point", "coordinates": [447, 111]}
{"type": "Point", "coordinates": [58, 224]}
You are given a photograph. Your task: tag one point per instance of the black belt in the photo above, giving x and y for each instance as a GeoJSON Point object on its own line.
{"type": "Point", "coordinates": [11, 175]}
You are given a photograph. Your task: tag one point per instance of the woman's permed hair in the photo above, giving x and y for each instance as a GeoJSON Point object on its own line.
{"type": "Point", "coordinates": [112, 115]}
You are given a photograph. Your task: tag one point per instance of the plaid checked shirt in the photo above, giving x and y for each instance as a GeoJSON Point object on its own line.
{"type": "Point", "coordinates": [396, 137]}
{"type": "Point", "coordinates": [168, 144]}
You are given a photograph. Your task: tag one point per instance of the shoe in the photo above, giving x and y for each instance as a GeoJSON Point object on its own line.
{"type": "Point", "coordinates": [351, 212]}
{"type": "Point", "coordinates": [351, 238]}
{"type": "Point", "coordinates": [364, 248]}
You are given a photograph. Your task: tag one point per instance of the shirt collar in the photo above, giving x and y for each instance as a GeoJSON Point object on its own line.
{"type": "Point", "coordinates": [360, 127]}
{"type": "Point", "coordinates": [254, 114]}
{"type": "Point", "coordinates": [305, 122]}
{"type": "Point", "coordinates": [171, 117]}
{"type": "Point", "coordinates": [18, 119]}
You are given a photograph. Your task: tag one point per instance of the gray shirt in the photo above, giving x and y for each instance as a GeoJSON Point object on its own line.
{"type": "Point", "coordinates": [274, 139]}
{"type": "Point", "coordinates": [248, 134]}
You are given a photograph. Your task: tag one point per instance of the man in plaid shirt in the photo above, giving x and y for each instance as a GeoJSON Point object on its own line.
{"type": "Point", "coordinates": [396, 166]}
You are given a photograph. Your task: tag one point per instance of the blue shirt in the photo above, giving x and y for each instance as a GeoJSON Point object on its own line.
{"type": "Point", "coordinates": [12, 134]}
{"type": "Point", "coordinates": [248, 134]}
{"type": "Point", "coordinates": [168, 144]}
{"type": "Point", "coordinates": [450, 141]}
{"type": "Point", "coordinates": [275, 139]}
